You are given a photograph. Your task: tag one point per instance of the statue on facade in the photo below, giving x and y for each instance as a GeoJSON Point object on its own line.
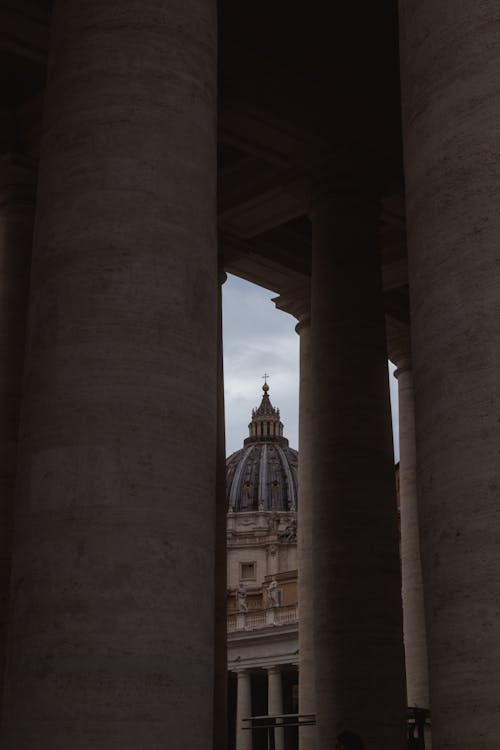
{"type": "Point", "coordinates": [273, 594]}
{"type": "Point", "coordinates": [289, 534]}
{"type": "Point", "coordinates": [274, 522]}
{"type": "Point", "coordinates": [241, 599]}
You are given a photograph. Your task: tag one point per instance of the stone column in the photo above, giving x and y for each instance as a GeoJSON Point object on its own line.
{"type": "Point", "coordinates": [297, 303]}
{"type": "Point", "coordinates": [243, 710]}
{"type": "Point", "coordinates": [275, 703]}
{"type": "Point", "coordinates": [358, 642]}
{"type": "Point", "coordinates": [112, 622]}
{"type": "Point", "coordinates": [450, 91]}
{"type": "Point", "coordinates": [415, 642]}
{"type": "Point", "coordinates": [17, 207]}
{"type": "Point", "coordinates": [307, 700]}
{"type": "Point", "coordinates": [220, 726]}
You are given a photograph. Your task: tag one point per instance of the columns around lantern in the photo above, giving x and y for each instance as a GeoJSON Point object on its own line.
{"type": "Point", "coordinates": [112, 620]}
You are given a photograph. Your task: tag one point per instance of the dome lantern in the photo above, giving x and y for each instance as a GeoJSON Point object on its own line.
{"type": "Point", "coordinates": [265, 424]}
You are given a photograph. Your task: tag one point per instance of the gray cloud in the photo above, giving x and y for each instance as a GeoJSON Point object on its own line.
{"type": "Point", "coordinates": [259, 338]}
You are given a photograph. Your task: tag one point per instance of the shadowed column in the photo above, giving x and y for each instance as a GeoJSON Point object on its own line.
{"type": "Point", "coordinates": [17, 207]}
{"type": "Point", "coordinates": [451, 107]}
{"type": "Point", "coordinates": [415, 642]}
{"type": "Point", "coordinates": [358, 644]}
{"type": "Point", "coordinates": [297, 303]}
{"type": "Point", "coordinates": [220, 728]}
{"type": "Point", "coordinates": [307, 701]}
{"type": "Point", "coordinates": [112, 620]}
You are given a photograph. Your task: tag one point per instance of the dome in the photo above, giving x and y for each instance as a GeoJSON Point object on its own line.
{"type": "Point", "coordinates": [263, 474]}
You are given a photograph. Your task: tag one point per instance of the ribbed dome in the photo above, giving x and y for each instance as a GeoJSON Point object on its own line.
{"type": "Point", "coordinates": [263, 474]}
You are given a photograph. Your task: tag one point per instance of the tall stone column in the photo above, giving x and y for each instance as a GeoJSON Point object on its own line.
{"type": "Point", "coordinates": [450, 92]}
{"type": "Point", "coordinates": [112, 620]}
{"type": "Point", "coordinates": [275, 703]}
{"type": "Point", "coordinates": [307, 698]}
{"type": "Point", "coordinates": [358, 640]}
{"type": "Point", "coordinates": [243, 710]}
{"type": "Point", "coordinates": [415, 641]}
{"type": "Point", "coordinates": [220, 727]}
{"type": "Point", "coordinates": [17, 207]}
{"type": "Point", "coordinates": [297, 303]}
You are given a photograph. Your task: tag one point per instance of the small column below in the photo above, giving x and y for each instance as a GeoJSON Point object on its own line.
{"type": "Point", "coordinates": [243, 711]}
{"type": "Point", "coordinates": [275, 703]}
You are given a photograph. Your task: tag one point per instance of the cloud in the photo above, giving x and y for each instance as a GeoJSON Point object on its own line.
{"type": "Point", "coordinates": [393, 385]}
{"type": "Point", "coordinates": [259, 338]}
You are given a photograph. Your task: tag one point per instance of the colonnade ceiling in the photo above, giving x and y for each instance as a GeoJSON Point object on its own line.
{"type": "Point", "coordinates": [303, 90]}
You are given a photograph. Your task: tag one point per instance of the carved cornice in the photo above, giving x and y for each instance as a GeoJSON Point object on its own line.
{"type": "Point", "coordinates": [297, 302]}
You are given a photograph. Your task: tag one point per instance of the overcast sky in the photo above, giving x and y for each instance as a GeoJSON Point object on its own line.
{"type": "Point", "coordinates": [258, 338]}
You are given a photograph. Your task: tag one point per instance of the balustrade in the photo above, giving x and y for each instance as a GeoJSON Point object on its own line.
{"type": "Point", "coordinates": [256, 619]}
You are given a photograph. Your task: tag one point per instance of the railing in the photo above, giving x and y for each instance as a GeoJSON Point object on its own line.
{"type": "Point", "coordinates": [284, 615]}
{"type": "Point", "coordinates": [282, 721]}
{"type": "Point", "coordinates": [262, 618]}
{"type": "Point", "coordinates": [417, 719]}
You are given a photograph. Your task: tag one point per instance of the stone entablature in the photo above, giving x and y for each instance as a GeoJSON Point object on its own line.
{"type": "Point", "coordinates": [278, 526]}
{"type": "Point", "coordinates": [263, 647]}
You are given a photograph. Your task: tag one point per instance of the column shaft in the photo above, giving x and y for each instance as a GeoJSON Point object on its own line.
{"type": "Point", "coordinates": [243, 711]}
{"type": "Point", "coordinates": [451, 97]}
{"type": "Point", "coordinates": [112, 624]}
{"type": "Point", "coordinates": [17, 207]}
{"type": "Point", "coordinates": [220, 728]}
{"type": "Point", "coordinates": [307, 703]}
{"type": "Point", "coordinates": [417, 688]}
{"type": "Point", "coordinates": [356, 580]}
{"type": "Point", "coordinates": [275, 703]}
